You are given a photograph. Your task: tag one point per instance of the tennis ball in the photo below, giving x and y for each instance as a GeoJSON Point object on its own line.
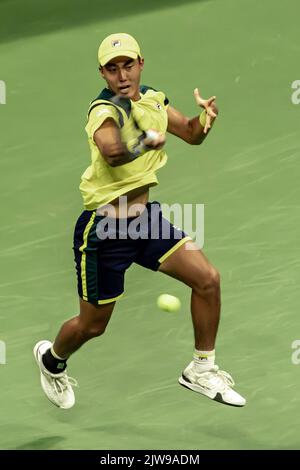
{"type": "Point", "coordinates": [168, 303]}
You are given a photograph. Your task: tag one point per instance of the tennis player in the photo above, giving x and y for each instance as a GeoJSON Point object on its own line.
{"type": "Point", "coordinates": [126, 128]}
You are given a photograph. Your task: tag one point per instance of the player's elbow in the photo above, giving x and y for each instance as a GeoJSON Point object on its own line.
{"type": "Point", "coordinates": [114, 161]}
{"type": "Point", "coordinates": [113, 155]}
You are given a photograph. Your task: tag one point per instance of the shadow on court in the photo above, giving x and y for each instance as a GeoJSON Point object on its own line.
{"type": "Point", "coordinates": [41, 443]}
{"type": "Point", "coordinates": [21, 19]}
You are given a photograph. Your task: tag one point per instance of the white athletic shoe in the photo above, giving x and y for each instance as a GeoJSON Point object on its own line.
{"type": "Point", "coordinates": [57, 387]}
{"type": "Point", "coordinates": [214, 383]}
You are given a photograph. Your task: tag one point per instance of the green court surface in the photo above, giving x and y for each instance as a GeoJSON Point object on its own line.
{"type": "Point", "coordinates": [247, 175]}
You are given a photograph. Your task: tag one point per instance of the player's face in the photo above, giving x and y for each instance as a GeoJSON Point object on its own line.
{"type": "Point", "coordinates": [122, 76]}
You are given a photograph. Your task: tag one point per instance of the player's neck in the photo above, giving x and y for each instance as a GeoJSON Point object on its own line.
{"type": "Point", "coordinates": [136, 96]}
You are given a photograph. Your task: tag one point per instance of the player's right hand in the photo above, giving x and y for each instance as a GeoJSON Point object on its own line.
{"type": "Point", "coordinates": [154, 140]}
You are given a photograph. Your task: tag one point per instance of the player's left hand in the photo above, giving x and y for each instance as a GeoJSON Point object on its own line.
{"type": "Point", "coordinates": [210, 108]}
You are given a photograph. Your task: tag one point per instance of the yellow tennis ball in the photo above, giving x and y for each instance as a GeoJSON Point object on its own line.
{"type": "Point", "coordinates": [168, 303]}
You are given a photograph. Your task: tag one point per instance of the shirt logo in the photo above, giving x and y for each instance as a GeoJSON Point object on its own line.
{"type": "Point", "coordinates": [158, 105]}
{"type": "Point", "coordinates": [103, 111]}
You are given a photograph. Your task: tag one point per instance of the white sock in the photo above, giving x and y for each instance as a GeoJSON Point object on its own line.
{"type": "Point", "coordinates": [57, 356]}
{"type": "Point", "coordinates": [204, 360]}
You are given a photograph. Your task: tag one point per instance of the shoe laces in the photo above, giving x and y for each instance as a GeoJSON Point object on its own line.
{"type": "Point", "coordinates": [216, 378]}
{"type": "Point", "coordinates": [62, 382]}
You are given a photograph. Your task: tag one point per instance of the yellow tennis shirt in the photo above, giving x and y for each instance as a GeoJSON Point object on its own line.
{"type": "Point", "coordinates": [102, 183]}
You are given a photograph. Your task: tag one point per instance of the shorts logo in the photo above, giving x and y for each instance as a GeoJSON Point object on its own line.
{"type": "Point", "coordinates": [116, 43]}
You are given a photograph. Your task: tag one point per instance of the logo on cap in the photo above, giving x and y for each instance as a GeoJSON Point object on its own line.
{"type": "Point", "coordinates": [116, 43]}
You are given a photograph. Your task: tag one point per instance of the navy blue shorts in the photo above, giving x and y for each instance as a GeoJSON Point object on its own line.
{"type": "Point", "coordinates": [105, 247]}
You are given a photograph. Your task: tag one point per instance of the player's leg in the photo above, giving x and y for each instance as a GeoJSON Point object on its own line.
{"type": "Point", "coordinates": [52, 358]}
{"type": "Point", "coordinates": [168, 253]}
{"type": "Point", "coordinates": [91, 322]}
{"type": "Point", "coordinates": [202, 375]}
{"type": "Point", "coordinates": [189, 265]}
{"type": "Point", "coordinates": [100, 283]}
{"type": "Point", "coordinates": [100, 267]}
{"type": "Point", "coordinates": [166, 250]}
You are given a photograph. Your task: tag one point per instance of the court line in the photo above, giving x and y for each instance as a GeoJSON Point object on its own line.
{"type": "Point", "coordinates": [8, 251]}
{"type": "Point", "coordinates": [36, 278]}
{"type": "Point", "coordinates": [254, 148]}
{"type": "Point", "coordinates": [146, 392]}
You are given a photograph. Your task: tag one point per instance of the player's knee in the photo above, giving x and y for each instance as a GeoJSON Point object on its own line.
{"type": "Point", "coordinates": [212, 279]}
{"type": "Point", "coordinates": [95, 330]}
{"type": "Point", "coordinates": [209, 283]}
{"type": "Point", "coordinates": [90, 330]}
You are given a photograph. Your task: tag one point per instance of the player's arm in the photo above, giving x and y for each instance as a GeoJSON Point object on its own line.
{"type": "Point", "coordinates": [194, 130]}
{"type": "Point", "coordinates": [115, 152]}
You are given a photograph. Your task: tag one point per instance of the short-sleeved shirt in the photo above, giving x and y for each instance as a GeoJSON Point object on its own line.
{"type": "Point", "coordinates": [102, 183]}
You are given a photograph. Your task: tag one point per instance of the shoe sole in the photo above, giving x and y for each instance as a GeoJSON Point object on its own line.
{"type": "Point", "coordinates": [196, 388]}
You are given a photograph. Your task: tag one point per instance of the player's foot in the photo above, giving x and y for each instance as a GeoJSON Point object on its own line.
{"type": "Point", "coordinates": [57, 387]}
{"type": "Point", "coordinates": [215, 384]}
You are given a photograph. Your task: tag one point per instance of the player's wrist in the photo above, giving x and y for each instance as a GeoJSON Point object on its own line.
{"type": "Point", "coordinates": [136, 147]}
{"type": "Point", "coordinates": [202, 118]}
{"type": "Point", "coordinates": [142, 144]}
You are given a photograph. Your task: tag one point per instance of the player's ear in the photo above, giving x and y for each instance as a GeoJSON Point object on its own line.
{"type": "Point", "coordinates": [141, 61]}
{"type": "Point", "coordinates": [101, 71]}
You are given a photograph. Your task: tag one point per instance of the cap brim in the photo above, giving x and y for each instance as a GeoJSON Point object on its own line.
{"type": "Point", "coordinates": [113, 55]}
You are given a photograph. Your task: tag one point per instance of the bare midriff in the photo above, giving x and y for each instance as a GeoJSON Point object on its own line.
{"type": "Point", "coordinates": [131, 204]}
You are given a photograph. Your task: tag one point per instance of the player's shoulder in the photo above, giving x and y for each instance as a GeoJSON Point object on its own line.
{"type": "Point", "coordinates": [105, 101]}
{"type": "Point", "coordinates": [145, 89]}
{"type": "Point", "coordinates": [104, 98]}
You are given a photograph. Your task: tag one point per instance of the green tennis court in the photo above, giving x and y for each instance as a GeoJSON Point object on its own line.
{"type": "Point", "coordinates": [247, 175]}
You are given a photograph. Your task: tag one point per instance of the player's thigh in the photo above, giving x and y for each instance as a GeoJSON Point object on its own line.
{"type": "Point", "coordinates": [189, 265]}
{"type": "Point", "coordinates": [92, 315]}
